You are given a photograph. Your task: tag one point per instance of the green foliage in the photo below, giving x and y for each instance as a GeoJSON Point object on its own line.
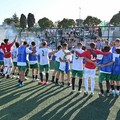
{"type": "Point", "coordinates": [91, 21]}
{"type": "Point", "coordinates": [23, 21]}
{"type": "Point", "coordinates": [115, 20]}
{"type": "Point", "coordinates": [45, 23]}
{"type": "Point", "coordinates": [65, 23]}
{"type": "Point", "coordinates": [8, 21]}
{"type": "Point", "coordinates": [30, 21]}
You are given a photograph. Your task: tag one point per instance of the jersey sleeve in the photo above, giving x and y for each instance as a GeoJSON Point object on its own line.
{"type": "Point", "coordinates": [81, 54]}
{"type": "Point", "coordinates": [28, 50]}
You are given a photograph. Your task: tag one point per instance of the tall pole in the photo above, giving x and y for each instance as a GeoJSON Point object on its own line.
{"type": "Point", "coordinates": [79, 22]}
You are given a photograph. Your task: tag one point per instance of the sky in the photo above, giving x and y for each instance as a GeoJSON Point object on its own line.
{"type": "Point", "coordinates": [58, 9]}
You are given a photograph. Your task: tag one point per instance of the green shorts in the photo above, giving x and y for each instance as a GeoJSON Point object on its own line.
{"type": "Point", "coordinates": [34, 66]}
{"type": "Point", "coordinates": [1, 62]}
{"type": "Point", "coordinates": [56, 65]}
{"type": "Point", "coordinates": [104, 76]}
{"type": "Point", "coordinates": [78, 73]}
{"type": "Point", "coordinates": [115, 77]}
{"type": "Point", "coordinates": [22, 68]}
{"type": "Point", "coordinates": [15, 64]}
{"type": "Point", "coordinates": [44, 67]}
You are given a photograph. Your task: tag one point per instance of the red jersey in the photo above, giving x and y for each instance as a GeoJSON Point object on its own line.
{"type": "Point", "coordinates": [89, 55]}
{"type": "Point", "coordinates": [7, 50]}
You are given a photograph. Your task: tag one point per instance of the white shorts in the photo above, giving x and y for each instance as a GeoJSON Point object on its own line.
{"type": "Point", "coordinates": [89, 73]}
{"type": "Point", "coordinates": [8, 62]}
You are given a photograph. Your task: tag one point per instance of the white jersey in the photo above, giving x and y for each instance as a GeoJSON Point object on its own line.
{"type": "Point", "coordinates": [14, 54]}
{"type": "Point", "coordinates": [77, 61]}
{"type": "Point", "coordinates": [63, 57]}
{"type": "Point", "coordinates": [44, 55]}
{"type": "Point", "coordinates": [57, 56]}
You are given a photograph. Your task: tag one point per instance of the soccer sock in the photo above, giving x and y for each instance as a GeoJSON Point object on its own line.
{"type": "Point", "coordinates": [112, 87]}
{"type": "Point", "coordinates": [118, 88]}
{"type": "Point", "coordinates": [57, 80]}
{"type": "Point", "coordinates": [36, 76]}
{"type": "Point", "coordinates": [79, 84]}
{"type": "Point", "coordinates": [9, 71]}
{"type": "Point", "coordinates": [108, 86]}
{"type": "Point", "coordinates": [53, 77]}
{"type": "Point", "coordinates": [26, 72]}
{"type": "Point", "coordinates": [86, 84]}
{"type": "Point", "coordinates": [33, 77]}
{"type": "Point", "coordinates": [73, 83]}
{"type": "Point", "coordinates": [92, 84]}
{"type": "Point", "coordinates": [5, 70]}
{"type": "Point", "coordinates": [2, 70]}
{"type": "Point", "coordinates": [47, 76]}
{"type": "Point", "coordinates": [101, 87]}
{"type": "Point", "coordinates": [41, 76]}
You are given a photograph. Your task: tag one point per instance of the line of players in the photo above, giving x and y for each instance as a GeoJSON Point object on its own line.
{"type": "Point", "coordinates": [83, 61]}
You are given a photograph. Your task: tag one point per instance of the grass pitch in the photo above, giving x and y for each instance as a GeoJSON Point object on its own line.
{"type": "Point", "coordinates": [50, 102]}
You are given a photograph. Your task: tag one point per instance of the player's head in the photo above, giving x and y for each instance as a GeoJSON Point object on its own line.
{"type": "Point", "coordinates": [33, 43]}
{"type": "Point", "coordinates": [92, 45]}
{"type": "Point", "coordinates": [6, 41]}
{"type": "Point", "coordinates": [65, 45]}
{"type": "Point", "coordinates": [79, 44]}
{"type": "Point", "coordinates": [117, 42]}
{"type": "Point", "coordinates": [106, 48]}
{"type": "Point", "coordinates": [17, 44]}
{"type": "Point", "coordinates": [83, 48]}
{"type": "Point", "coordinates": [59, 47]}
{"type": "Point", "coordinates": [25, 43]}
{"type": "Point", "coordinates": [2, 43]}
{"type": "Point", "coordinates": [44, 43]}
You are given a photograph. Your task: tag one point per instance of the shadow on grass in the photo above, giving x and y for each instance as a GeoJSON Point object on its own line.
{"type": "Point", "coordinates": [25, 105]}
{"type": "Point", "coordinates": [118, 115]}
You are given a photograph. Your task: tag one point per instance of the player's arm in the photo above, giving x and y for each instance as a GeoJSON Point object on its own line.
{"type": "Point", "coordinates": [110, 63]}
{"type": "Point", "coordinates": [90, 61]}
{"type": "Point", "coordinates": [67, 53]}
{"type": "Point", "coordinates": [28, 51]}
{"type": "Point", "coordinates": [84, 54]}
{"type": "Point", "coordinates": [100, 52]}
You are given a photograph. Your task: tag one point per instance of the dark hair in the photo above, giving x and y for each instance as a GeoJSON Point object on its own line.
{"type": "Point", "coordinates": [79, 44]}
{"type": "Point", "coordinates": [24, 43]}
{"type": "Point", "coordinates": [6, 40]}
{"type": "Point", "coordinates": [83, 48]}
{"type": "Point", "coordinates": [2, 43]}
{"type": "Point", "coordinates": [59, 47]}
{"type": "Point", "coordinates": [33, 43]}
{"type": "Point", "coordinates": [44, 43]}
{"type": "Point", "coordinates": [65, 45]}
{"type": "Point", "coordinates": [106, 49]}
{"type": "Point", "coordinates": [92, 45]}
{"type": "Point", "coordinates": [17, 44]}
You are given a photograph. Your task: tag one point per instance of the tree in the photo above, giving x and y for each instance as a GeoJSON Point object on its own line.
{"type": "Point", "coordinates": [65, 23]}
{"type": "Point", "coordinates": [45, 23]}
{"type": "Point", "coordinates": [23, 21]}
{"type": "Point", "coordinates": [115, 20]}
{"type": "Point", "coordinates": [90, 21]}
{"type": "Point", "coordinates": [30, 21]}
{"type": "Point", "coordinates": [8, 21]}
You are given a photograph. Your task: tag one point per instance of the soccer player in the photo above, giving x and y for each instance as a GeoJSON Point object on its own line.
{"type": "Point", "coordinates": [7, 56]}
{"type": "Point", "coordinates": [33, 60]}
{"type": "Point", "coordinates": [105, 71]}
{"type": "Point", "coordinates": [14, 56]}
{"type": "Point", "coordinates": [77, 68]}
{"type": "Point", "coordinates": [64, 60]}
{"type": "Point", "coordinates": [22, 52]}
{"type": "Point", "coordinates": [90, 67]}
{"type": "Point", "coordinates": [56, 72]}
{"type": "Point", "coordinates": [115, 77]}
{"type": "Point", "coordinates": [44, 53]}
